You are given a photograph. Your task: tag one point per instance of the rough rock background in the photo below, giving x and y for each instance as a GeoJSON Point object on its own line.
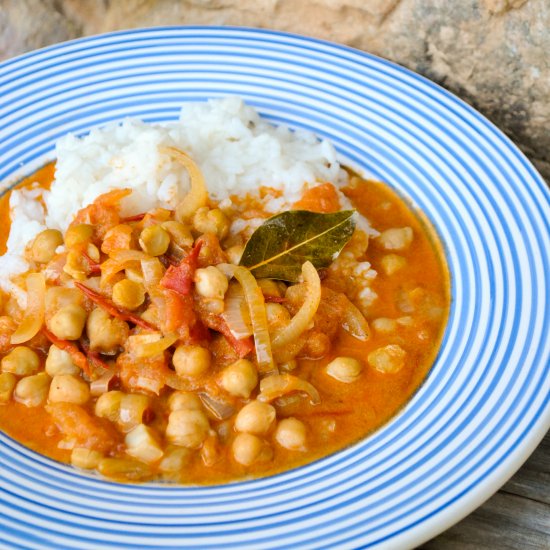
{"type": "Point", "coordinates": [495, 54]}
{"type": "Point", "coordinates": [492, 53]}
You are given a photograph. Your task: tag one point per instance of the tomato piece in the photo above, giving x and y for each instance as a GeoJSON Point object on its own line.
{"type": "Point", "coordinates": [180, 278]}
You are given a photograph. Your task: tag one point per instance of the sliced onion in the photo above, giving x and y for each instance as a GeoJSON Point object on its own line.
{"type": "Point", "coordinates": [153, 271]}
{"type": "Point", "coordinates": [256, 307]}
{"type": "Point", "coordinates": [150, 344]}
{"type": "Point", "coordinates": [198, 194]}
{"type": "Point", "coordinates": [124, 256]}
{"type": "Point", "coordinates": [101, 385]}
{"type": "Point", "coordinates": [302, 320]}
{"type": "Point", "coordinates": [219, 408]}
{"type": "Point", "coordinates": [236, 313]}
{"type": "Point", "coordinates": [33, 318]}
{"type": "Point", "coordinates": [132, 410]}
{"type": "Point", "coordinates": [153, 385]}
{"type": "Point", "coordinates": [118, 261]}
{"type": "Point", "coordinates": [355, 323]}
{"type": "Point", "coordinates": [182, 384]}
{"type": "Point", "coordinates": [277, 385]}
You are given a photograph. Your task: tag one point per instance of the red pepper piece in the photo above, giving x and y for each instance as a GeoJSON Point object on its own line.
{"type": "Point", "coordinates": [180, 278]}
{"type": "Point", "coordinates": [93, 266]}
{"type": "Point", "coordinates": [111, 308]}
{"type": "Point", "coordinates": [79, 359]}
{"type": "Point", "coordinates": [274, 299]}
{"type": "Point", "coordinates": [134, 218]}
{"type": "Point", "coordinates": [94, 358]}
{"type": "Point", "coordinates": [242, 346]}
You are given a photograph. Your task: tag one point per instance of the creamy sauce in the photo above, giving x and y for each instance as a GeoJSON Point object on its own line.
{"type": "Point", "coordinates": [348, 412]}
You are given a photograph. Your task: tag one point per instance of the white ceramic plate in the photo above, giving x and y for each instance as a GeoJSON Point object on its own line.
{"type": "Point", "coordinates": [485, 404]}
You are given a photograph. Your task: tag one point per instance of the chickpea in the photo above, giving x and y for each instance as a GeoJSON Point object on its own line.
{"type": "Point", "coordinates": [269, 287]}
{"type": "Point", "coordinates": [239, 378]}
{"type": "Point", "coordinates": [211, 221]}
{"type": "Point", "coordinates": [123, 468]}
{"type": "Point", "coordinates": [388, 359]}
{"type": "Point", "coordinates": [68, 323]}
{"type": "Point", "coordinates": [210, 282]}
{"type": "Point", "coordinates": [255, 418]}
{"type": "Point", "coordinates": [154, 240]}
{"type": "Point", "coordinates": [191, 360]}
{"type": "Point", "coordinates": [59, 362]}
{"type": "Point", "coordinates": [78, 234]}
{"type": "Point", "coordinates": [175, 459]}
{"type": "Point", "coordinates": [108, 405]}
{"type": "Point", "coordinates": [345, 369]}
{"type": "Point", "coordinates": [21, 361]}
{"type": "Point", "coordinates": [187, 428]}
{"type": "Point", "coordinates": [396, 238]}
{"type": "Point", "coordinates": [45, 244]}
{"type": "Point", "coordinates": [291, 434]}
{"type": "Point", "coordinates": [210, 450]}
{"type": "Point", "coordinates": [32, 390]}
{"type": "Point", "coordinates": [317, 345]}
{"type": "Point", "coordinates": [134, 274]}
{"type": "Point", "coordinates": [234, 253]}
{"type": "Point", "coordinates": [87, 459]}
{"type": "Point", "coordinates": [249, 449]}
{"type": "Point", "coordinates": [128, 294]}
{"type": "Point", "coordinates": [215, 306]}
{"type": "Point", "coordinates": [67, 388]}
{"type": "Point", "coordinates": [184, 400]}
{"type": "Point", "coordinates": [384, 325]}
{"type": "Point", "coordinates": [76, 265]}
{"type": "Point", "coordinates": [93, 251]}
{"type": "Point", "coordinates": [278, 316]}
{"type": "Point", "coordinates": [106, 333]}
{"type": "Point", "coordinates": [133, 409]}
{"type": "Point", "coordinates": [141, 443]}
{"type": "Point", "coordinates": [392, 263]}
{"type": "Point", "coordinates": [7, 384]}
{"type": "Point", "coordinates": [58, 297]}
{"type": "Point", "coordinates": [179, 233]}
{"type": "Point", "coordinates": [405, 321]}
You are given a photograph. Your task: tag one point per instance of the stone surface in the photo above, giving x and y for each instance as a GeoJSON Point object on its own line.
{"type": "Point", "coordinates": [492, 53]}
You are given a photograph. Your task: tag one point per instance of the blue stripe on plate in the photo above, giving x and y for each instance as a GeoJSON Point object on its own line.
{"type": "Point", "coordinates": [485, 403]}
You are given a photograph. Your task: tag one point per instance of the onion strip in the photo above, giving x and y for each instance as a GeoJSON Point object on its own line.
{"type": "Point", "coordinates": [256, 306]}
{"type": "Point", "coordinates": [355, 323]}
{"type": "Point", "coordinates": [301, 321]}
{"type": "Point", "coordinates": [275, 386]}
{"type": "Point", "coordinates": [219, 408]}
{"type": "Point", "coordinates": [102, 384]}
{"type": "Point", "coordinates": [149, 345]}
{"type": "Point", "coordinates": [236, 313]}
{"type": "Point", "coordinates": [34, 312]}
{"type": "Point", "coordinates": [197, 195]}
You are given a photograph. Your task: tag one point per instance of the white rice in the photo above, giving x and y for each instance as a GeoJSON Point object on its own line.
{"type": "Point", "coordinates": [236, 150]}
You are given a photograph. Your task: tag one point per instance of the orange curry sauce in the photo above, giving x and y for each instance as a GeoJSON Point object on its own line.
{"type": "Point", "coordinates": [348, 412]}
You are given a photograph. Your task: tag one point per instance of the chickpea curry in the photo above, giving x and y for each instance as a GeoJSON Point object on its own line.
{"type": "Point", "coordinates": [149, 349]}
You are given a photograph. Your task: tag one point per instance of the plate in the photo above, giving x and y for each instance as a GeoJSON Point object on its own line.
{"type": "Point", "coordinates": [486, 402]}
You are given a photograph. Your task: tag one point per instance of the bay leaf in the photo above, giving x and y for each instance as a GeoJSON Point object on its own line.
{"type": "Point", "coordinates": [279, 247]}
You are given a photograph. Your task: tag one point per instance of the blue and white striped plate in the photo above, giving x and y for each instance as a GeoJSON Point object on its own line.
{"type": "Point", "coordinates": [486, 403]}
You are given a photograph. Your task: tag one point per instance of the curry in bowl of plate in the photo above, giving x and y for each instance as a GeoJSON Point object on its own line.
{"type": "Point", "coordinates": [210, 300]}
